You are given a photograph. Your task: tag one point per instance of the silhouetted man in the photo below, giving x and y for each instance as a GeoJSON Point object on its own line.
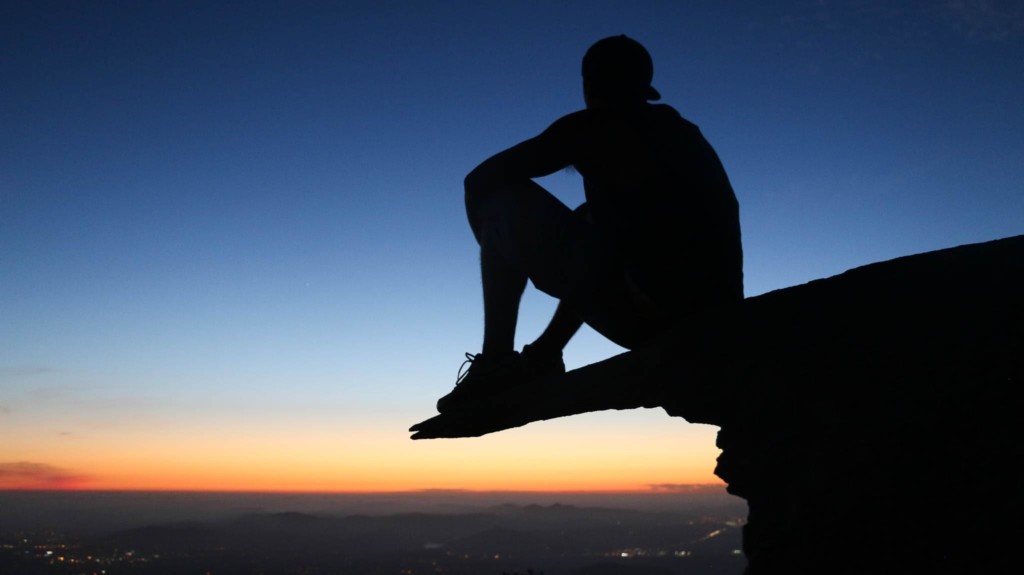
{"type": "Point", "coordinates": [657, 239]}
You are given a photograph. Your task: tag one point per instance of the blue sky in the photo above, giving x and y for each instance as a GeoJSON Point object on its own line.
{"type": "Point", "coordinates": [230, 211]}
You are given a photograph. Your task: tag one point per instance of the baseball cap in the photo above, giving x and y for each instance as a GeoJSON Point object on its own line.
{"type": "Point", "coordinates": [622, 62]}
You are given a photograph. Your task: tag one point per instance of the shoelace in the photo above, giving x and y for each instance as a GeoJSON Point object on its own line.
{"type": "Point", "coordinates": [462, 374]}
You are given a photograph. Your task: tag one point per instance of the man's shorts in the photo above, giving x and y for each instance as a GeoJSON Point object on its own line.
{"type": "Point", "coordinates": [564, 256]}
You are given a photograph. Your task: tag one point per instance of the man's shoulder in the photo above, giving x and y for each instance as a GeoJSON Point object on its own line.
{"type": "Point", "coordinates": [667, 115]}
{"type": "Point", "coordinates": [611, 130]}
{"type": "Point", "coordinates": [658, 112]}
{"type": "Point", "coordinates": [574, 120]}
{"type": "Point", "coordinates": [665, 109]}
{"type": "Point", "coordinates": [569, 125]}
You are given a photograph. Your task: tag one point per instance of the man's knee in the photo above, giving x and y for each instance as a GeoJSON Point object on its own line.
{"type": "Point", "coordinates": [510, 202]}
{"type": "Point", "coordinates": [478, 195]}
{"type": "Point", "coordinates": [480, 205]}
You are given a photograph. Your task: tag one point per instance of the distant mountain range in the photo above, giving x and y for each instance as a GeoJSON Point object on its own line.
{"type": "Point", "coordinates": [505, 539]}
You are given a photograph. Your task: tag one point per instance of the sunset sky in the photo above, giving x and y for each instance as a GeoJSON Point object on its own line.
{"type": "Point", "coordinates": [233, 253]}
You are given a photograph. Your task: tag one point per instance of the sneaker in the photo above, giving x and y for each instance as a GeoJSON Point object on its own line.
{"type": "Point", "coordinates": [480, 377]}
{"type": "Point", "coordinates": [538, 363]}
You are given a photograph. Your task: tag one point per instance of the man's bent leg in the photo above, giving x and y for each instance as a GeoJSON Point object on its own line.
{"type": "Point", "coordinates": [503, 286]}
{"type": "Point", "coordinates": [537, 231]}
{"type": "Point", "coordinates": [562, 254]}
{"type": "Point", "coordinates": [523, 232]}
{"type": "Point", "coordinates": [563, 325]}
{"type": "Point", "coordinates": [530, 228]}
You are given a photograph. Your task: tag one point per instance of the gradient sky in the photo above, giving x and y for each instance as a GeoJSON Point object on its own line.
{"type": "Point", "coordinates": [232, 247]}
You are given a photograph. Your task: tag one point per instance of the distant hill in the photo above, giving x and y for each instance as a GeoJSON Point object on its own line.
{"type": "Point", "coordinates": [550, 539]}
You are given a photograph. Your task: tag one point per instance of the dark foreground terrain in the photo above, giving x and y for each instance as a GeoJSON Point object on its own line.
{"type": "Point", "coordinates": [505, 538]}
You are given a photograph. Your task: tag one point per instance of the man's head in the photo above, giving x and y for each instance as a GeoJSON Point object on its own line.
{"type": "Point", "coordinates": [618, 70]}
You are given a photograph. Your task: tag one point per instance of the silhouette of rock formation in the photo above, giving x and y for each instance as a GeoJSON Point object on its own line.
{"type": "Point", "coordinates": [871, 420]}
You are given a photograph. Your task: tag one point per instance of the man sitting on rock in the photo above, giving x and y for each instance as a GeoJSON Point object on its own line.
{"type": "Point", "coordinates": [657, 240]}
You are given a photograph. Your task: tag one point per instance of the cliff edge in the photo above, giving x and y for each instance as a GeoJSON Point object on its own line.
{"type": "Point", "coordinates": [871, 419]}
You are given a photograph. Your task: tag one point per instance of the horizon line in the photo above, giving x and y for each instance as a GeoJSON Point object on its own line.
{"type": "Point", "coordinates": [649, 490]}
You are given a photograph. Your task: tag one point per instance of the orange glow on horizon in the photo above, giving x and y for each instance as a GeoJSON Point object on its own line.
{"type": "Point", "coordinates": [579, 455]}
{"type": "Point", "coordinates": [248, 485]}
{"type": "Point", "coordinates": [92, 489]}
{"type": "Point", "coordinates": [267, 484]}
{"type": "Point", "coordinates": [310, 478]}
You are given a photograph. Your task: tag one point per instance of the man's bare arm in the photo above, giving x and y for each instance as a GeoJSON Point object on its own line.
{"type": "Point", "coordinates": [539, 156]}
{"type": "Point", "coordinates": [533, 158]}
